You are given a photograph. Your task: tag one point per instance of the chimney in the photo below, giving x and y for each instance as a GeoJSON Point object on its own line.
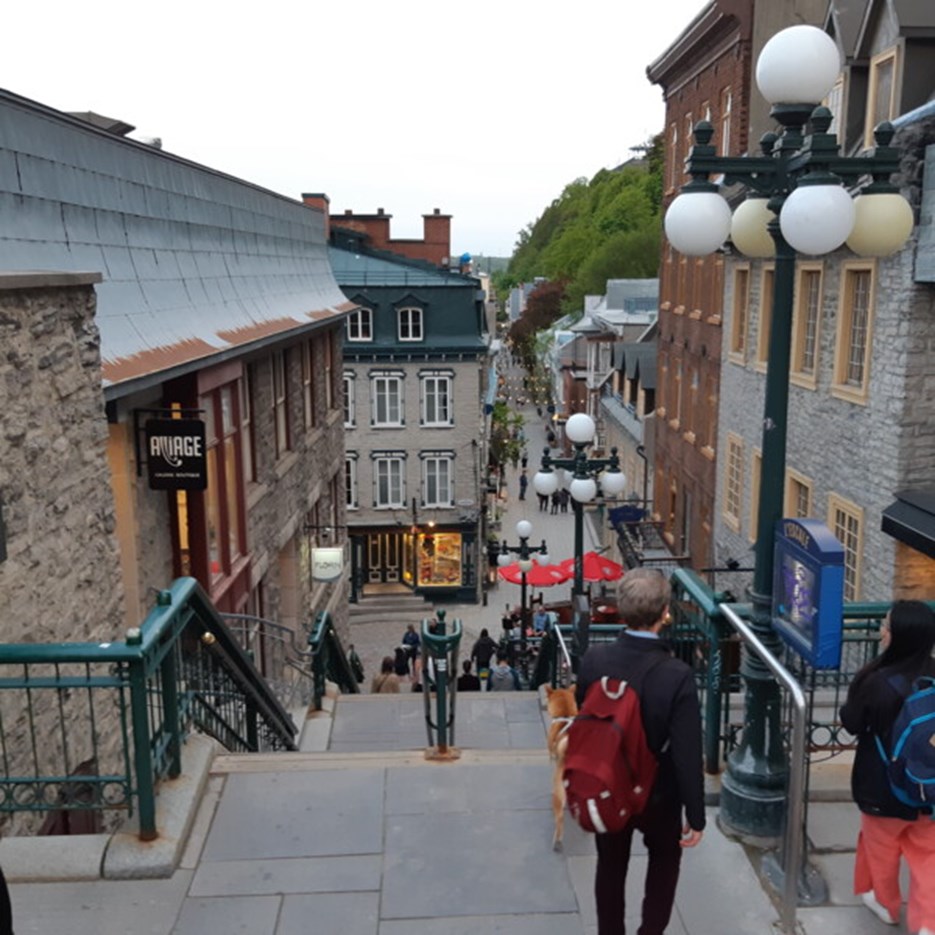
{"type": "Point", "coordinates": [322, 202]}
{"type": "Point", "coordinates": [437, 235]}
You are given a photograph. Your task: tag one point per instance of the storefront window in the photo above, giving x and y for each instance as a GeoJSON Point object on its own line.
{"type": "Point", "coordinates": [439, 557]}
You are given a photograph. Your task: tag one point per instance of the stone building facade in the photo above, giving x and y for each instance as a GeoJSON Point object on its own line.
{"type": "Point", "coordinates": [217, 308]}
{"type": "Point", "coordinates": [59, 571]}
{"type": "Point", "coordinates": [861, 423]}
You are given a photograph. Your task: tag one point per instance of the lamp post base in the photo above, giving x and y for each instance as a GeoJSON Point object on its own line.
{"type": "Point", "coordinates": [753, 802]}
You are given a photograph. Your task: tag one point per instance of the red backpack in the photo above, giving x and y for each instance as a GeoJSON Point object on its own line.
{"type": "Point", "coordinates": [609, 769]}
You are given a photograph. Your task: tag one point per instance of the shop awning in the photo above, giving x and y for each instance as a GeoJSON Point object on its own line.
{"type": "Point", "coordinates": [911, 519]}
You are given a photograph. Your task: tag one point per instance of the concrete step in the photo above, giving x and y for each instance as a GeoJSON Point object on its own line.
{"type": "Point", "coordinates": [228, 763]}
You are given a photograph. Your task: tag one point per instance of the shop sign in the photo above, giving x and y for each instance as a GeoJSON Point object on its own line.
{"type": "Point", "coordinates": [327, 563]}
{"type": "Point", "coordinates": [176, 454]}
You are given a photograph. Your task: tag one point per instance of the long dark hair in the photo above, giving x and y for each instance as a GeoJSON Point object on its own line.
{"type": "Point", "coordinates": [912, 638]}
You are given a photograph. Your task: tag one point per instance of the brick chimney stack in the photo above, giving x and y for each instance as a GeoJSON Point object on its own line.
{"type": "Point", "coordinates": [323, 203]}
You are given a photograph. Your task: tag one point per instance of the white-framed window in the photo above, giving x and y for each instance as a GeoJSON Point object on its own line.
{"type": "Point", "coordinates": [437, 480]}
{"type": "Point", "coordinates": [387, 399]}
{"type": "Point", "coordinates": [410, 324]}
{"type": "Point", "coordinates": [733, 481]}
{"type": "Point", "coordinates": [248, 448]}
{"type": "Point", "coordinates": [350, 481]}
{"type": "Point", "coordinates": [389, 484]}
{"type": "Point", "coordinates": [846, 521]}
{"type": "Point", "coordinates": [360, 325]}
{"type": "Point", "coordinates": [725, 108]}
{"type": "Point", "coordinates": [350, 401]}
{"type": "Point", "coordinates": [436, 399]}
{"type": "Point", "coordinates": [675, 169]}
{"type": "Point", "coordinates": [835, 103]}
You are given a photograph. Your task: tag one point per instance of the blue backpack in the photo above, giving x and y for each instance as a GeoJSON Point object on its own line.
{"type": "Point", "coordinates": [910, 762]}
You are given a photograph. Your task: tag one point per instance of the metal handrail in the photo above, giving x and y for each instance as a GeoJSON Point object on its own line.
{"type": "Point", "coordinates": [442, 647]}
{"type": "Point", "coordinates": [793, 833]}
{"type": "Point", "coordinates": [329, 661]}
{"type": "Point", "coordinates": [179, 670]}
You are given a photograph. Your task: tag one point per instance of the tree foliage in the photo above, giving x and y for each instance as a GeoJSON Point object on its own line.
{"type": "Point", "coordinates": [605, 228]}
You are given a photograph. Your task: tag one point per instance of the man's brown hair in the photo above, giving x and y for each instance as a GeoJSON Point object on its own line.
{"type": "Point", "coordinates": [642, 597]}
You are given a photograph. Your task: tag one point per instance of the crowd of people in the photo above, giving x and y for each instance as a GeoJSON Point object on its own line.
{"type": "Point", "coordinates": [488, 668]}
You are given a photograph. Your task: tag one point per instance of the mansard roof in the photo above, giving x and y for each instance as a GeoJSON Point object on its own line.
{"type": "Point", "coordinates": [197, 265]}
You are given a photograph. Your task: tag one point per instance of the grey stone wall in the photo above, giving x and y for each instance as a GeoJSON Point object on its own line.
{"type": "Point", "coordinates": [61, 579]}
{"type": "Point", "coordinates": [861, 452]}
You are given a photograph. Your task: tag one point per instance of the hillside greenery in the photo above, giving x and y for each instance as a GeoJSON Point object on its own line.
{"type": "Point", "coordinates": [605, 228]}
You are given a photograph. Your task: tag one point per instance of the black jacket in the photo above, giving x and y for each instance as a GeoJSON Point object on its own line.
{"type": "Point", "coordinates": [871, 711]}
{"type": "Point", "coordinates": [670, 711]}
{"type": "Point", "coordinates": [482, 652]}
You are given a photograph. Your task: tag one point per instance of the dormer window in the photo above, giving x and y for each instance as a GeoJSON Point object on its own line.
{"type": "Point", "coordinates": [410, 324]}
{"type": "Point", "coordinates": [360, 325]}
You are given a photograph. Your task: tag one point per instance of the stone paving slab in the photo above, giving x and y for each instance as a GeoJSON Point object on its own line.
{"type": "Point", "coordinates": [244, 915]}
{"type": "Point", "coordinates": [101, 907]}
{"type": "Point", "coordinates": [456, 863]}
{"type": "Point", "coordinates": [331, 874]}
{"type": "Point", "coordinates": [536, 924]}
{"type": "Point", "coordinates": [273, 814]}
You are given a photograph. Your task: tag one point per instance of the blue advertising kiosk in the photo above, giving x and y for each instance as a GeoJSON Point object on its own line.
{"type": "Point", "coordinates": [808, 590]}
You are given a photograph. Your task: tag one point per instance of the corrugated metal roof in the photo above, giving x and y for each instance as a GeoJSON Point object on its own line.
{"type": "Point", "coordinates": [195, 263]}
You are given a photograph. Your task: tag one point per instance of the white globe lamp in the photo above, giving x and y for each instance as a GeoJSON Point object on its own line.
{"type": "Point", "coordinates": [545, 482]}
{"type": "Point", "coordinates": [697, 223]}
{"type": "Point", "coordinates": [579, 429]}
{"type": "Point", "coordinates": [613, 483]}
{"type": "Point", "coordinates": [817, 218]}
{"type": "Point", "coordinates": [583, 489]}
{"type": "Point", "coordinates": [799, 65]}
{"type": "Point", "coordinates": [524, 529]}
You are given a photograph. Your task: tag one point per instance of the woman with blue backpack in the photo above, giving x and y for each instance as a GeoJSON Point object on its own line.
{"type": "Point", "coordinates": [890, 708]}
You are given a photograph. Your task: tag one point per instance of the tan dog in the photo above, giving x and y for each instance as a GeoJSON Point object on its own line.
{"type": "Point", "coordinates": [562, 708]}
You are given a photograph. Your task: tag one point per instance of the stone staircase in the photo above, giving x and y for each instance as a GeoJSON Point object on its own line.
{"type": "Point", "coordinates": [390, 608]}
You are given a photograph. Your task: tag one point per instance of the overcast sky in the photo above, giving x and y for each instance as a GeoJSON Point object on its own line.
{"type": "Point", "coordinates": [484, 110]}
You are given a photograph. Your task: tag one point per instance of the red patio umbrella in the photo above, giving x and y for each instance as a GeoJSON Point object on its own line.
{"type": "Point", "coordinates": [539, 576]}
{"type": "Point", "coordinates": [596, 567]}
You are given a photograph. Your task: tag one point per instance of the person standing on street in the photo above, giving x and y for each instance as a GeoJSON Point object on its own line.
{"type": "Point", "coordinates": [889, 829]}
{"type": "Point", "coordinates": [483, 650]}
{"type": "Point", "coordinates": [523, 484]}
{"type": "Point", "coordinates": [672, 721]}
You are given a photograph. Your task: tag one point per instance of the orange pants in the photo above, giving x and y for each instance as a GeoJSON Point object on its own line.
{"type": "Point", "coordinates": [880, 845]}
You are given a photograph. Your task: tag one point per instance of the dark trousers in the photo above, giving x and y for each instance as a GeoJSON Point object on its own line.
{"type": "Point", "coordinates": [661, 827]}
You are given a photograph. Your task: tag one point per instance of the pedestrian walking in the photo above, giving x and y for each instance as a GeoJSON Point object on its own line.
{"type": "Point", "coordinates": [890, 829]}
{"type": "Point", "coordinates": [543, 501]}
{"type": "Point", "coordinates": [523, 484]}
{"type": "Point", "coordinates": [672, 721]}
{"type": "Point", "coordinates": [556, 499]}
{"type": "Point", "coordinates": [563, 497]}
{"type": "Point", "coordinates": [387, 682]}
{"type": "Point", "coordinates": [482, 652]}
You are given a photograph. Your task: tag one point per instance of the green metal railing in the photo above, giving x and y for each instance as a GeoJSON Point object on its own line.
{"type": "Point", "coordinates": [329, 661]}
{"type": "Point", "coordinates": [439, 679]}
{"type": "Point", "coordinates": [110, 719]}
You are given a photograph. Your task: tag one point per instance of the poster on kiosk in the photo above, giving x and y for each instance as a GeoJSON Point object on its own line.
{"type": "Point", "coordinates": [808, 590]}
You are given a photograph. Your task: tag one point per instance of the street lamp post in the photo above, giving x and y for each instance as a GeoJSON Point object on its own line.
{"type": "Point", "coordinates": [797, 203]}
{"type": "Point", "coordinates": [579, 430]}
{"type": "Point", "coordinates": [525, 557]}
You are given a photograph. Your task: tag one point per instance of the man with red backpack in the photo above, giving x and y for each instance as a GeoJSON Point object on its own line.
{"type": "Point", "coordinates": [671, 719]}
